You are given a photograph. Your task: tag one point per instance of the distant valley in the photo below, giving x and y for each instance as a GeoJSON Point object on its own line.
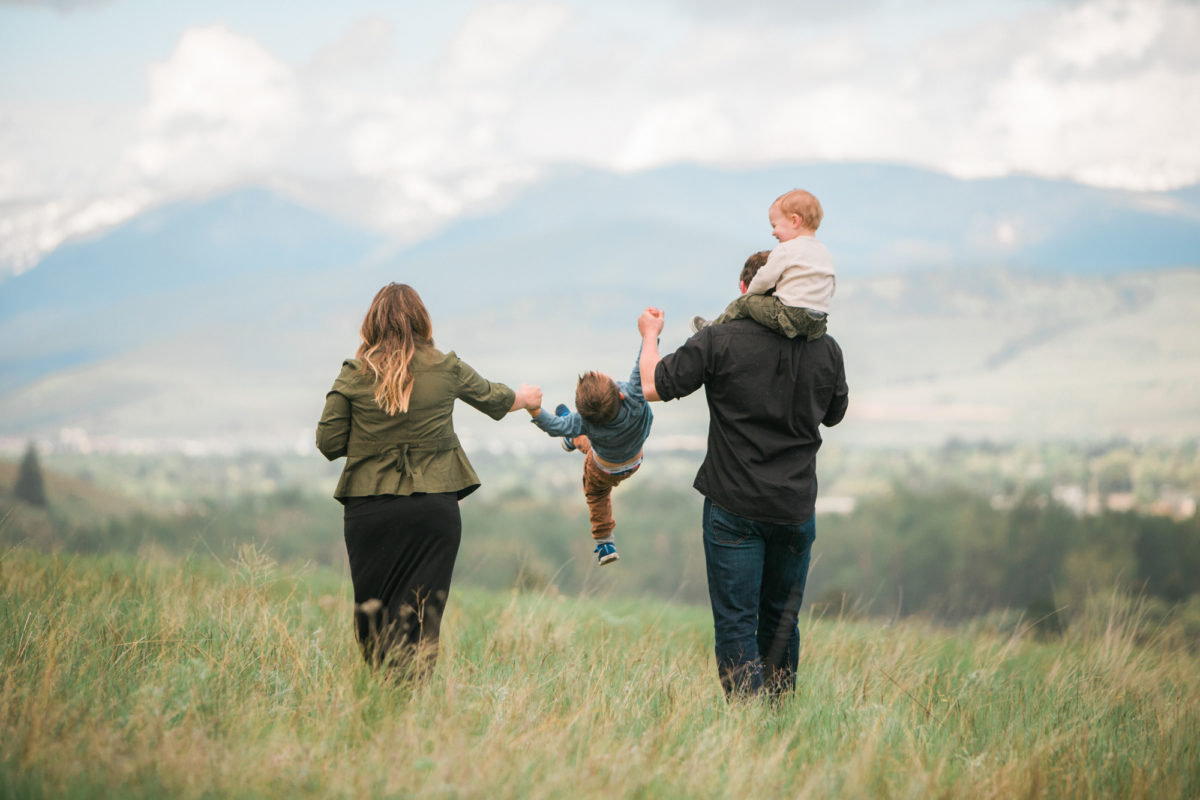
{"type": "Point", "coordinates": [1003, 309]}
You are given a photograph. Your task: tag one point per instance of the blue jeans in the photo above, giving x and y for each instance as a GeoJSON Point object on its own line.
{"type": "Point", "coordinates": [756, 576]}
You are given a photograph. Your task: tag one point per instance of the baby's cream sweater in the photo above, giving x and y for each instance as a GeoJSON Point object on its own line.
{"type": "Point", "coordinates": [801, 272]}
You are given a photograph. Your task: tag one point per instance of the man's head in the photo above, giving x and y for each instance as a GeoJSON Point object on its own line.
{"type": "Point", "coordinates": [597, 398]}
{"type": "Point", "coordinates": [795, 213]}
{"type": "Point", "coordinates": [753, 264]}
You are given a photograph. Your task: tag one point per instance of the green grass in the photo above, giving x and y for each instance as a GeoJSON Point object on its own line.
{"type": "Point", "coordinates": [144, 677]}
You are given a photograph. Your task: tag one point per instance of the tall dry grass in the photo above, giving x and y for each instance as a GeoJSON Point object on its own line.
{"type": "Point", "coordinates": [146, 678]}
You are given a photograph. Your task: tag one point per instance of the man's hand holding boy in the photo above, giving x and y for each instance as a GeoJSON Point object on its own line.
{"type": "Point", "coordinates": [650, 323]}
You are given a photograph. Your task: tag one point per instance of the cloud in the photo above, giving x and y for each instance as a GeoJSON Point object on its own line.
{"type": "Point", "coordinates": [55, 183]}
{"type": "Point", "coordinates": [497, 41]}
{"type": "Point", "coordinates": [220, 107]}
{"type": "Point", "coordinates": [367, 44]}
{"type": "Point", "coordinates": [683, 129]}
{"type": "Point", "coordinates": [1103, 91]}
{"type": "Point", "coordinates": [1106, 32]}
{"type": "Point", "coordinates": [33, 229]}
{"type": "Point", "coordinates": [57, 5]}
{"type": "Point", "coordinates": [223, 109]}
{"type": "Point", "coordinates": [778, 9]}
{"type": "Point", "coordinates": [1106, 91]}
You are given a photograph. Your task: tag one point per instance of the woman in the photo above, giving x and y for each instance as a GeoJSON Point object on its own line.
{"type": "Point", "coordinates": [389, 414]}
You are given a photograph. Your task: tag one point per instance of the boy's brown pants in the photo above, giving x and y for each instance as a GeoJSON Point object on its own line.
{"type": "Point", "coordinates": [597, 488]}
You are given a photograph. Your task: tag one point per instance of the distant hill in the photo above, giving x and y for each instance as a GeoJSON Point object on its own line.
{"type": "Point", "coordinates": [185, 265]}
{"type": "Point", "coordinates": [223, 320]}
{"type": "Point", "coordinates": [73, 503]}
{"type": "Point", "coordinates": [879, 218]}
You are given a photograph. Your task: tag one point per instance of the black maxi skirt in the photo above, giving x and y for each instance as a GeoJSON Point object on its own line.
{"type": "Point", "coordinates": [402, 551]}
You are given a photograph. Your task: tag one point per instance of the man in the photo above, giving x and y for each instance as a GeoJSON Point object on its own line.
{"type": "Point", "coordinates": [766, 396]}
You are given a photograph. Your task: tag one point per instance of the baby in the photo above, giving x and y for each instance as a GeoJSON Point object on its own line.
{"type": "Point", "coordinates": [791, 292]}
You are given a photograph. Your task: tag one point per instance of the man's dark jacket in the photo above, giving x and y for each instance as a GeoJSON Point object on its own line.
{"type": "Point", "coordinates": [767, 396]}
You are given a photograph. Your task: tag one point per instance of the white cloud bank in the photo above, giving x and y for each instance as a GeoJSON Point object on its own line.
{"type": "Point", "coordinates": [1103, 91]}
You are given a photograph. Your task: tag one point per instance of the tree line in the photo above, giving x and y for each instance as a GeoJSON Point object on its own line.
{"type": "Point", "coordinates": [945, 552]}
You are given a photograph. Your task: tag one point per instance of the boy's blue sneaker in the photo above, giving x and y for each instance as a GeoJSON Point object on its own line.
{"type": "Point", "coordinates": [606, 553]}
{"type": "Point", "coordinates": [561, 410]}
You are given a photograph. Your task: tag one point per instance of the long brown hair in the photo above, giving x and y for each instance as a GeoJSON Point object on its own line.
{"type": "Point", "coordinates": [396, 326]}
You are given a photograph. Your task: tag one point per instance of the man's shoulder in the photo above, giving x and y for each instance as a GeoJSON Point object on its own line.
{"type": "Point", "coordinates": [744, 334]}
{"type": "Point", "coordinates": [738, 329]}
{"type": "Point", "coordinates": [825, 340]}
{"type": "Point", "coordinates": [750, 331]}
{"type": "Point", "coordinates": [739, 339]}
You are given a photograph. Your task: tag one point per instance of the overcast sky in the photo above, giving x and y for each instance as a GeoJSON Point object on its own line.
{"type": "Point", "coordinates": [403, 114]}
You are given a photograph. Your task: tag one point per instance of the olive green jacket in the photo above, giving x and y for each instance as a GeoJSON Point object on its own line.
{"type": "Point", "coordinates": [413, 451]}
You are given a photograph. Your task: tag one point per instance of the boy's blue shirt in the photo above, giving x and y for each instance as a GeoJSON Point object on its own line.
{"type": "Point", "coordinates": [618, 441]}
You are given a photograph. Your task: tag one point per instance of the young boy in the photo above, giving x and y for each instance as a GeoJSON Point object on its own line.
{"type": "Point", "coordinates": [612, 423]}
{"type": "Point", "coordinates": [791, 293]}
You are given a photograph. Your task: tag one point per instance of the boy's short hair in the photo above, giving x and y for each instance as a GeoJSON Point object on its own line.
{"type": "Point", "coordinates": [597, 398]}
{"type": "Point", "coordinates": [753, 264]}
{"type": "Point", "coordinates": [803, 204]}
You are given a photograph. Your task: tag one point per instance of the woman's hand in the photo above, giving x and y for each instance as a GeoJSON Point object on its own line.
{"type": "Point", "coordinates": [528, 397]}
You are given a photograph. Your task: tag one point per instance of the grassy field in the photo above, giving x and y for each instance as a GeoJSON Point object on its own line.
{"type": "Point", "coordinates": [148, 677]}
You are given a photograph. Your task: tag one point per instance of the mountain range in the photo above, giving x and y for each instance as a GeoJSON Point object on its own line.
{"type": "Point", "coordinates": [984, 309]}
